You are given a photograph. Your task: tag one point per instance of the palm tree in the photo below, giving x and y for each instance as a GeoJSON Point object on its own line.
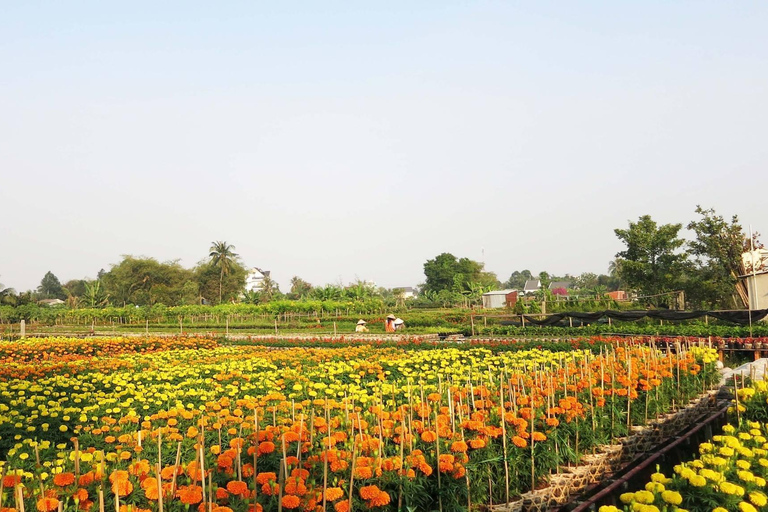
{"type": "Point", "coordinates": [222, 256]}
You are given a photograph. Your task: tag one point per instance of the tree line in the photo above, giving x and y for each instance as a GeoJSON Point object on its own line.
{"type": "Point", "coordinates": [655, 265]}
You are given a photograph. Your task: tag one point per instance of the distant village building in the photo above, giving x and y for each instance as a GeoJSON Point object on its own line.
{"type": "Point", "coordinates": [254, 281]}
{"type": "Point", "coordinates": [531, 286]}
{"type": "Point", "coordinates": [50, 302]}
{"type": "Point", "coordinates": [499, 299]}
{"type": "Point", "coordinates": [406, 292]}
{"type": "Point", "coordinates": [554, 285]}
{"type": "Point", "coordinates": [618, 295]}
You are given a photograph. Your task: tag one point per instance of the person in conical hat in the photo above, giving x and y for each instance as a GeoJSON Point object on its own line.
{"type": "Point", "coordinates": [389, 323]}
{"type": "Point", "coordinates": [398, 324]}
{"type": "Point", "coordinates": [361, 326]}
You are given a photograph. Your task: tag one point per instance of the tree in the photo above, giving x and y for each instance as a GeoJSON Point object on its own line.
{"type": "Point", "coordinates": [222, 256]}
{"type": "Point", "coordinates": [717, 251]}
{"type": "Point", "coordinates": [299, 288]}
{"type": "Point", "coordinates": [269, 289]}
{"type": "Point", "coordinates": [50, 287]}
{"type": "Point", "coordinates": [517, 279]}
{"type": "Point", "coordinates": [75, 287]}
{"type": "Point", "coordinates": [445, 272]}
{"type": "Point", "coordinates": [146, 281]}
{"type": "Point", "coordinates": [209, 280]}
{"type": "Point", "coordinates": [651, 263]}
{"type": "Point", "coordinates": [7, 295]}
{"type": "Point", "coordinates": [95, 296]}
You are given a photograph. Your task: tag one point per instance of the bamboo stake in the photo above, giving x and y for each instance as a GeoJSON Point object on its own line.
{"type": "Point", "coordinates": [176, 470]}
{"type": "Point", "coordinates": [504, 439]}
{"type": "Point", "coordinates": [158, 470]}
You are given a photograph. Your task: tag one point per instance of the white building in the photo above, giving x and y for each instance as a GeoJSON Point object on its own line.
{"type": "Point", "coordinates": [406, 292]}
{"type": "Point", "coordinates": [254, 281]}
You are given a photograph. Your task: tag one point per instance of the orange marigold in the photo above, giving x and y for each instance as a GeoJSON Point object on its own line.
{"type": "Point", "coordinates": [64, 479]}
{"type": "Point", "coordinates": [291, 501]}
{"type": "Point", "coordinates": [190, 494]}
{"type": "Point", "coordinates": [380, 500]}
{"type": "Point", "coordinates": [476, 444]}
{"type": "Point", "coordinates": [333, 493]}
{"type": "Point", "coordinates": [47, 504]}
{"type": "Point", "coordinates": [122, 488]}
{"type": "Point", "coordinates": [459, 446]}
{"type": "Point", "coordinates": [263, 478]}
{"type": "Point", "coordinates": [519, 441]}
{"type": "Point", "coordinates": [341, 506]}
{"type": "Point", "coordinates": [539, 437]}
{"type": "Point", "coordinates": [238, 488]}
{"type": "Point", "coordinates": [266, 447]}
{"type": "Point", "coordinates": [369, 492]}
{"type": "Point", "coordinates": [428, 436]}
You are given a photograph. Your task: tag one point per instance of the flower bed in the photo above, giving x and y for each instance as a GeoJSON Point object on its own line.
{"type": "Point", "coordinates": [384, 427]}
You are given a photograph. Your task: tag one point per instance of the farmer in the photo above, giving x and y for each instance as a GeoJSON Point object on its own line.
{"type": "Point", "coordinates": [389, 323]}
{"type": "Point", "coordinates": [398, 324]}
{"type": "Point", "coordinates": [361, 326]}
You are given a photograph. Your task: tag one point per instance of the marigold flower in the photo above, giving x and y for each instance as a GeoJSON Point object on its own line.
{"type": "Point", "coordinates": [190, 494]}
{"type": "Point", "coordinates": [672, 497]}
{"type": "Point", "coordinates": [519, 442]}
{"type": "Point", "coordinates": [47, 504]}
{"type": "Point", "coordinates": [237, 487]}
{"type": "Point", "coordinates": [263, 478]}
{"type": "Point", "coordinates": [428, 436]}
{"type": "Point", "coordinates": [291, 501]}
{"type": "Point", "coordinates": [64, 479]}
{"type": "Point", "coordinates": [476, 444]}
{"type": "Point", "coordinates": [333, 493]}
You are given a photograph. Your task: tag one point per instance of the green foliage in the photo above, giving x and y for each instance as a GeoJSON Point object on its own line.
{"type": "Point", "coordinates": [446, 272]}
{"type": "Point", "coordinates": [50, 287]}
{"type": "Point", "coordinates": [145, 281]}
{"type": "Point", "coordinates": [299, 288]}
{"type": "Point", "coordinates": [517, 279]}
{"type": "Point", "coordinates": [651, 262]}
{"type": "Point", "coordinates": [717, 250]}
{"type": "Point", "coordinates": [212, 284]}
{"type": "Point", "coordinates": [223, 257]}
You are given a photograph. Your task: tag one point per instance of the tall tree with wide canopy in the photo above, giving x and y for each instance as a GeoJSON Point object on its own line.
{"type": "Point", "coordinates": [50, 287]}
{"type": "Point", "coordinates": [651, 263]}
{"type": "Point", "coordinates": [717, 250]}
{"type": "Point", "coordinates": [446, 272]}
{"type": "Point", "coordinates": [222, 256]}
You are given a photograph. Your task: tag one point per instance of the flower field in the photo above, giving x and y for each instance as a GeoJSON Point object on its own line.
{"type": "Point", "coordinates": [169, 424]}
{"type": "Point", "coordinates": [730, 472]}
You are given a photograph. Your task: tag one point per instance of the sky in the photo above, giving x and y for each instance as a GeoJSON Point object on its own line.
{"type": "Point", "coordinates": [338, 141]}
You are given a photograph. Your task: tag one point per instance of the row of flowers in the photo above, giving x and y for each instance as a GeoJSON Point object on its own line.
{"type": "Point", "coordinates": [248, 428]}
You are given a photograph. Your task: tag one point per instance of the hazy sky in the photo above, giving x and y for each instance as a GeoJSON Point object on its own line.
{"type": "Point", "coordinates": [342, 140]}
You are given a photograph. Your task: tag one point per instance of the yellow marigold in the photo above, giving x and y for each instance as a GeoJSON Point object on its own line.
{"type": "Point", "coordinates": [697, 481]}
{"type": "Point", "coordinates": [654, 487]}
{"type": "Point", "coordinates": [745, 506]}
{"type": "Point", "coordinates": [672, 497]}
{"type": "Point", "coordinates": [758, 499]}
{"type": "Point", "coordinates": [627, 498]}
{"type": "Point", "coordinates": [644, 497]}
